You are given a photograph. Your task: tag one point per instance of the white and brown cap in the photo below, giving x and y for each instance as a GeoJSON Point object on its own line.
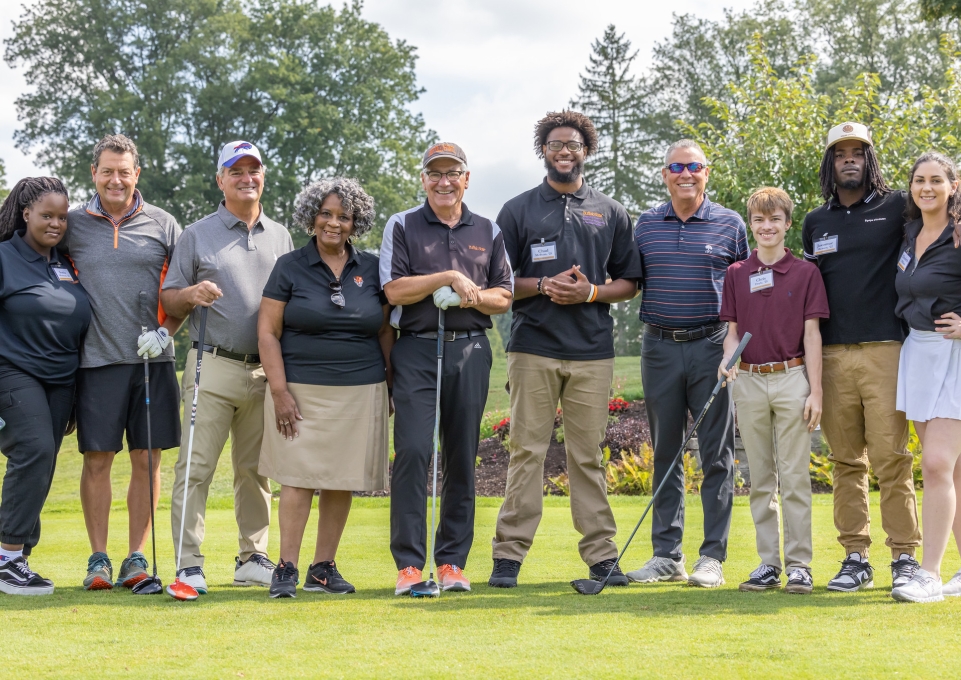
{"type": "Point", "coordinates": [443, 150]}
{"type": "Point", "coordinates": [849, 130]}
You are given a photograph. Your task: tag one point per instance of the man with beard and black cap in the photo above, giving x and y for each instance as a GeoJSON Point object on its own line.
{"type": "Point", "coordinates": [855, 239]}
{"type": "Point", "coordinates": [573, 256]}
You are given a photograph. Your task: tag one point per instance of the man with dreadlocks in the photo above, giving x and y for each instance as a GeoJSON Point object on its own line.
{"type": "Point", "coordinates": [44, 314]}
{"type": "Point", "coordinates": [855, 239]}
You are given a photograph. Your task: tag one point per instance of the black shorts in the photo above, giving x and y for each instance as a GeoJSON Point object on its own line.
{"type": "Point", "coordinates": [111, 401]}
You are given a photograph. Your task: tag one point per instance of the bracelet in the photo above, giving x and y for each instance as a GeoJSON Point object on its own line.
{"type": "Point", "coordinates": [540, 284]}
{"type": "Point", "coordinates": [593, 295]}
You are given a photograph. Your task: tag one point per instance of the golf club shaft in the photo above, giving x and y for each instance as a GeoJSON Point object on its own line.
{"type": "Point", "coordinates": [190, 436]}
{"type": "Point", "coordinates": [144, 315]}
{"type": "Point", "coordinates": [680, 453]}
{"type": "Point", "coordinates": [440, 369]}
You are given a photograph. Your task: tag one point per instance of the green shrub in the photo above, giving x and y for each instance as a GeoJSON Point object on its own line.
{"type": "Point", "coordinates": [632, 474]}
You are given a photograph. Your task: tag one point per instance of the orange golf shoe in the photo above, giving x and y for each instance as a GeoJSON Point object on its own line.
{"type": "Point", "coordinates": [406, 578]}
{"type": "Point", "coordinates": [452, 578]}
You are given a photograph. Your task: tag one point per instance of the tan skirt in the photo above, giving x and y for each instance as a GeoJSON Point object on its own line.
{"type": "Point", "coordinates": [343, 439]}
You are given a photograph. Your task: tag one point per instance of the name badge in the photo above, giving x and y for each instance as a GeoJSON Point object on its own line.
{"type": "Point", "coordinates": [826, 245]}
{"type": "Point", "coordinates": [905, 260]}
{"type": "Point", "coordinates": [541, 252]}
{"type": "Point", "coordinates": [762, 281]}
{"type": "Point", "coordinates": [62, 274]}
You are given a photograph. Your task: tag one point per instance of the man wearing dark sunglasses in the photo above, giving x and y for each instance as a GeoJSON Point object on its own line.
{"type": "Point", "coordinates": [440, 254]}
{"type": "Point", "coordinates": [686, 246]}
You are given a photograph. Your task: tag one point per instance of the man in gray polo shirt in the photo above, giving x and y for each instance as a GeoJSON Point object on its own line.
{"type": "Point", "coordinates": [223, 262]}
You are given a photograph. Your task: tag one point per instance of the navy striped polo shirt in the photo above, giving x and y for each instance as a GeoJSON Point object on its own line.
{"type": "Point", "coordinates": [684, 263]}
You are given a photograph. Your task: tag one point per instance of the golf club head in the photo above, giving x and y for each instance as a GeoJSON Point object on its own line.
{"type": "Point", "coordinates": [179, 590]}
{"type": "Point", "coordinates": [149, 586]}
{"type": "Point", "coordinates": [587, 586]}
{"type": "Point", "coordinates": [425, 589]}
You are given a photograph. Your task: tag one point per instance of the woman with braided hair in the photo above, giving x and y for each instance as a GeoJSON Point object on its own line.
{"type": "Point", "coordinates": [44, 314]}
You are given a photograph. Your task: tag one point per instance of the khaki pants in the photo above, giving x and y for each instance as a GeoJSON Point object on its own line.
{"type": "Point", "coordinates": [860, 390]}
{"type": "Point", "coordinates": [583, 388]}
{"type": "Point", "coordinates": [770, 417]}
{"type": "Point", "coordinates": [231, 402]}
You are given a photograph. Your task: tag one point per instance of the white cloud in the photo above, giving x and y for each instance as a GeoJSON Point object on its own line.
{"type": "Point", "coordinates": [491, 69]}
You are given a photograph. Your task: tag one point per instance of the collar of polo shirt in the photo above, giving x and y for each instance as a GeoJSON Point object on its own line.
{"type": "Point", "coordinates": [230, 220]}
{"type": "Point", "coordinates": [28, 253]}
{"type": "Point", "coordinates": [550, 193]}
{"type": "Point", "coordinates": [782, 266]}
{"type": "Point", "coordinates": [703, 211]}
{"type": "Point", "coordinates": [313, 255]}
{"type": "Point", "coordinates": [466, 216]}
{"type": "Point", "coordinates": [835, 203]}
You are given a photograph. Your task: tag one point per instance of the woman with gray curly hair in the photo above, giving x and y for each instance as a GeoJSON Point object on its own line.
{"type": "Point", "coordinates": [325, 341]}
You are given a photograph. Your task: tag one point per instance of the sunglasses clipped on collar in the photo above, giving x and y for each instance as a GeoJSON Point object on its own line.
{"type": "Point", "coordinates": [678, 168]}
{"type": "Point", "coordinates": [337, 296]}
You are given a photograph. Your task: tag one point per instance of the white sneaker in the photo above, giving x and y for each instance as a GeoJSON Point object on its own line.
{"type": "Point", "coordinates": [953, 587]}
{"type": "Point", "coordinates": [707, 573]}
{"type": "Point", "coordinates": [659, 569]}
{"type": "Point", "coordinates": [922, 588]}
{"type": "Point", "coordinates": [193, 577]}
{"type": "Point", "coordinates": [257, 571]}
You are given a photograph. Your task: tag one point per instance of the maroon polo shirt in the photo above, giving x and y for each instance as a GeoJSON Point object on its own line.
{"type": "Point", "coordinates": [774, 316]}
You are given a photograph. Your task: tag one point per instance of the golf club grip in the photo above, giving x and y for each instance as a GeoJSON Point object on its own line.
{"type": "Point", "coordinates": [740, 350]}
{"type": "Point", "coordinates": [144, 313]}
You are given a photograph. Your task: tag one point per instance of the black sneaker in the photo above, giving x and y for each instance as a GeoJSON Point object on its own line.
{"type": "Point", "coordinates": [16, 578]}
{"type": "Point", "coordinates": [284, 581]}
{"type": "Point", "coordinates": [505, 573]}
{"type": "Point", "coordinates": [799, 582]}
{"type": "Point", "coordinates": [600, 571]}
{"type": "Point", "coordinates": [856, 574]}
{"type": "Point", "coordinates": [903, 569]}
{"type": "Point", "coordinates": [764, 577]}
{"type": "Point", "coordinates": [323, 577]}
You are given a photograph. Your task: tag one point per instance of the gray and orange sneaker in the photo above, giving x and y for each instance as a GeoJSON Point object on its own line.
{"type": "Point", "coordinates": [133, 570]}
{"type": "Point", "coordinates": [407, 577]}
{"type": "Point", "coordinates": [99, 573]}
{"type": "Point", "coordinates": [452, 577]}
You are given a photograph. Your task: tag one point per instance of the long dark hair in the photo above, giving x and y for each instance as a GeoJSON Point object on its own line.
{"type": "Point", "coordinates": [26, 192]}
{"type": "Point", "coordinates": [872, 173]}
{"type": "Point", "coordinates": [912, 211]}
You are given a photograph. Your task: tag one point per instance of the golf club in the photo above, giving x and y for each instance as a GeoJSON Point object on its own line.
{"type": "Point", "coordinates": [429, 588]}
{"type": "Point", "coordinates": [150, 585]}
{"type": "Point", "coordinates": [587, 586]}
{"type": "Point", "coordinates": [178, 589]}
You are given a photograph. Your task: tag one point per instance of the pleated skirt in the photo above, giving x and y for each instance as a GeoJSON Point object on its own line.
{"type": "Point", "coordinates": [929, 377]}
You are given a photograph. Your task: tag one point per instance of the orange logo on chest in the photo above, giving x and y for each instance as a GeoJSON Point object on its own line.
{"type": "Point", "coordinates": [483, 250]}
{"type": "Point", "coordinates": [359, 280]}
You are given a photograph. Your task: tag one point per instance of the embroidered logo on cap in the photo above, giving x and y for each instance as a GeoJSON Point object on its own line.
{"type": "Point", "coordinates": [847, 128]}
{"type": "Point", "coordinates": [359, 280]}
{"type": "Point", "coordinates": [243, 146]}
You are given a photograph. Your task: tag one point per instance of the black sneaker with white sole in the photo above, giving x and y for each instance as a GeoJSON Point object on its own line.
{"type": "Point", "coordinates": [505, 573]}
{"type": "Point", "coordinates": [323, 577]}
{"type": "Point", "coordinates": [16, 578]}
{"type": "Point", "coordinates": [903, 570]}
{"type": "Point", "coordinates": [600, 571]}
{"type": "Point", "coordinates": [799, 582]}
{"type": "Point", "coordinates": [764, 577]}
{"type": "Point", "coordinates": [284, 581]}
{"type": "Point", "coordinates": [856, 574]}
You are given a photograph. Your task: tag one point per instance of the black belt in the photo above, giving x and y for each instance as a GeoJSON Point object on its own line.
{"type": "Point", "coordinates": [684, 334]}
{"type": "Point", "coordinates": [449, 336]}
{"type": "Point", "coordinates": [218, 352]}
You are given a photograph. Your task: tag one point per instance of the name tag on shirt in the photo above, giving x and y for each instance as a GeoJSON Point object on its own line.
{"type": "Point", "coordinates": [826, 245]}
{"type": "Point", "coordinates": [905, 260]}
{"type": "Point", "coordinates": [762, 281]}
{"type": "Point", "coordinates": [62, 274]}
{"type": "Point", "coordinates": [541, 252]}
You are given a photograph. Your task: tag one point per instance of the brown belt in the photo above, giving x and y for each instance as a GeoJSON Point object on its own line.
{"type": "Point", "coordinates": [772, 367]}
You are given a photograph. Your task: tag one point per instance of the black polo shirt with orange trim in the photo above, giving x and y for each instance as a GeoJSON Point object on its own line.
{"type": "Point", "coordinates": [931, 286]}
{"type": "Point", "coordinates": [417, 243]}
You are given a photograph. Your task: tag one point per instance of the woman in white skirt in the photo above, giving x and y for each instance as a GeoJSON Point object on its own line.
{"type": "Point", "coordinates": [325, 341]}
{"type": "Point", "coordinates": [928, 282]}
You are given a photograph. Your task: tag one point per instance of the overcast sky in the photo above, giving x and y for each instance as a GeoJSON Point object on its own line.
{"type": "Point", "coordinates": [490, 70]}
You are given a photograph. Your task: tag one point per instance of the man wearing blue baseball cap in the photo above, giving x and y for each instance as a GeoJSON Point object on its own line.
{"type": "Point", "coordinates": [222, 262]}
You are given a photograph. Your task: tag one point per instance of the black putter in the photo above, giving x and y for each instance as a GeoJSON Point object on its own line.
{"type": "Point", "coordinates": [429, 588]}
{"type": "Point", "coordinates": [150, 585]}
{"type": "Point", "coordinates": [587, 586]}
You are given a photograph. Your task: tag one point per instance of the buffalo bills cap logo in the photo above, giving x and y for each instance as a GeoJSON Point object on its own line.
{"type": "Point", "coordinates": [242, 146]}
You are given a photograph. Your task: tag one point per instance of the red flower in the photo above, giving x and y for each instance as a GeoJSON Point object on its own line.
{"type": "Point", "coordinates": [617, 404]}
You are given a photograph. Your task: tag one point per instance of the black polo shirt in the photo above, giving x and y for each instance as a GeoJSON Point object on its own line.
{"type": "Point", "coordinates": [857, 249]}
{"type": "Point", "coordinates": [44, 313]}
{"type": "Point", "coordinates": [931, 286]}
{"type": "Point", "coordinates": [586, 228]}
{"type": "Point", "coordinates": [321, 343]}
{"type": "Point", "coordinates": [417, 243]}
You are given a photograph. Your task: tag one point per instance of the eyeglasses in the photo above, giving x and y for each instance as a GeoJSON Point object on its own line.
{"type": "Point", "coordinates": [337, 297]}
{"type": "Point", "coordinates": [678, 168]}
{"type": "Point", "coordinates": [451, 175]}
{"type": "Point", "coordinates": [572, 146]}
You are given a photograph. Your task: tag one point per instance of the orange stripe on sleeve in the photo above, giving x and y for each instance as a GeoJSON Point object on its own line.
{"type": "Point", "coordinates": [161, 314]}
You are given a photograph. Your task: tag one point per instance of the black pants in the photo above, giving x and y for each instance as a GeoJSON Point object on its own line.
{"type": "Point", "coordinates": [678, 378]}
{"type": "Point", "coordinates": [36, 415]}
{"type": "Point", "coordinates": [464, 383]}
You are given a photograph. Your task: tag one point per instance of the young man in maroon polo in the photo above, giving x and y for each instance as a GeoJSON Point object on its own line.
{"type": "Point", "coordinates": [780, 300]}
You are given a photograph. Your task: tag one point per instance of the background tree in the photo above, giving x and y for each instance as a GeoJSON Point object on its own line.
{"type": "Point", "coordinates": [4, 189]}
{"type": "Point", "coordinates": [320, 91]}
{"type": "Point", "coordinates": [937, 9]}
